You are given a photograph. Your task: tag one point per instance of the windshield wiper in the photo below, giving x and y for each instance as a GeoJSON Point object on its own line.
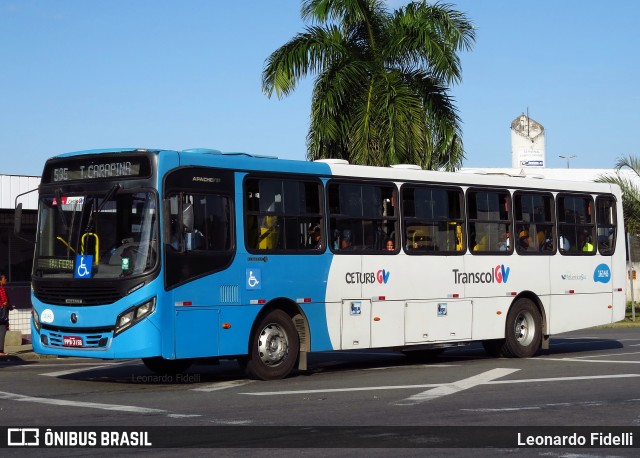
{"type": "Point", "coordinates": [58, 206]}
{"type": "Point", "coordinates": [106, 199]}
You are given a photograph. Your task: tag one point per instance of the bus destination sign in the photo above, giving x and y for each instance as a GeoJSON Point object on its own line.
{"type": "Point", "coordinates": [130, 167]}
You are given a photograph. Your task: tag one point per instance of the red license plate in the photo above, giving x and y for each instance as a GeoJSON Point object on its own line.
{"type": "Point", "coordinates": [72, 341]}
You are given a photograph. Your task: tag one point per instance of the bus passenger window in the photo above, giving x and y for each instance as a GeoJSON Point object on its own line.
{"type": "Point", "coordinates": [489, 221]}
{"type": "Point", "coordinates": [283, 215]}
{"type": "Point", "coordinates": [433, 219]}
{"type": "Point", "coordinates": [576, 224]}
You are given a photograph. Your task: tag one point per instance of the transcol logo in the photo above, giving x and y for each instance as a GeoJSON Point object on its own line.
{"type": "Point", "coordinates": [499, 274]}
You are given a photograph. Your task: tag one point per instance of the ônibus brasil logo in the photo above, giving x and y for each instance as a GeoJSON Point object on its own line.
{"type": "Point", "coordinates": [499, 274]}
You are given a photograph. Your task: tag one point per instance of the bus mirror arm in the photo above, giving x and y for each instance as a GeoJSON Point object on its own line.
{"type": "Point", "coordinates": [17, 219]}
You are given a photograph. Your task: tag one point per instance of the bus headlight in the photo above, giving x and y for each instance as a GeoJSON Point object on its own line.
{"type": "Point", "coordinates": [36, 319]}
{"type": "Point", "coordinates": [133, 315]}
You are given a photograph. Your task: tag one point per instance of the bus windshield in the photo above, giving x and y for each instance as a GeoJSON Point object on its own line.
{"type": "Point", "coordinates": [112, 233]}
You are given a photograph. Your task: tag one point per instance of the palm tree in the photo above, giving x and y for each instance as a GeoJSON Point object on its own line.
{"type": "Point", "coordinates": [630, 191]}
{"type": "Point", "coordinates": [381, 90]}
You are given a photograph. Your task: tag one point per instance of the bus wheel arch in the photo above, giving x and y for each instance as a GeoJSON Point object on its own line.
{"type": "Point", "coordinates": [526, 331]}
{"type": "Point", "coordinates": [278, 340]}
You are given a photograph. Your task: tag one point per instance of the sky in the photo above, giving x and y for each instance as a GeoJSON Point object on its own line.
{"type": "Point", "coordinates": [77, 74]}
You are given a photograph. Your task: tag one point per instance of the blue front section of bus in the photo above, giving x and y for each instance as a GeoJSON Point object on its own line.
{"type": "Point", "coordinates": [91, 328]}
{"type": "Point", "coordinates": [206, 317]}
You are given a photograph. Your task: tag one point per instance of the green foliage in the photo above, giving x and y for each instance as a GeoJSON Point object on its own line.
{"type": "Point", "coordinates": [630, 191]}
{"type": "Point", "coordinates": [381, 89]}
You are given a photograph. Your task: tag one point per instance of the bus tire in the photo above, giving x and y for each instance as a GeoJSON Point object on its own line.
{"type": "Point", "coordinates": [523, 337]}
{"type": "Point", "coordinates": [159, 365]}
{"type": "Point", "coordinates": [274, 347]}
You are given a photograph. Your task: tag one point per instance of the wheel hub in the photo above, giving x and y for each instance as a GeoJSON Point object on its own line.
{"type": "Point", "coordinates": [273, 346]}
{"type": "Point", "coordinates": [525, 328]}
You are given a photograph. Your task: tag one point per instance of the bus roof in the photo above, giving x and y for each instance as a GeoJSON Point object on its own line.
{"type": "Point", "coordinates": [341, 168]}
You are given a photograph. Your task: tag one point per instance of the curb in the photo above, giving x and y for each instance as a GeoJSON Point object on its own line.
{"type": "Point", "coordinates": [22, 353]}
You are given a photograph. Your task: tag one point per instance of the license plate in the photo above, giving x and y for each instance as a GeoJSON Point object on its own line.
{"type": "Point", "coordinates": [72, 341]}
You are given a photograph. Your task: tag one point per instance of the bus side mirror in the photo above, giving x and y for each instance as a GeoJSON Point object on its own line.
{"type": "Point", "coordinates": [17, 219]}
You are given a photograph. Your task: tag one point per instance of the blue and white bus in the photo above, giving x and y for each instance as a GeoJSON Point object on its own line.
{"type": "Point", "coordinates": [181, 256]}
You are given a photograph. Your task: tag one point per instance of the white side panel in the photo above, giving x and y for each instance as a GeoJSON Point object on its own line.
{"type": "Point", "coordinates": [582, 293]}
{"type": "Point", "coordinates": [387, 324]}
{"type": "Point", "coordinates": [579, 311]}
{"type": "Point", "coordinates": [356, 324]}
{"type": "Point", "coordinates": [438, 321]}
{"type": "Point", "coordinates": [340, 286]}
{"type": "Point", "coordinates": [403, 277]}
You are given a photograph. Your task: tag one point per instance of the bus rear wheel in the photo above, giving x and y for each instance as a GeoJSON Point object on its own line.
{"type": "Point", "coordinates": [524, 330]}
{"type": "Point", "coordinates": [159, 365]}
{"type": "Point", "coordinates": [274, 347]}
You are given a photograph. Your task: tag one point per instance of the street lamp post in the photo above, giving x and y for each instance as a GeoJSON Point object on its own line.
{"type": "Point", "coordinates": [567, 158]}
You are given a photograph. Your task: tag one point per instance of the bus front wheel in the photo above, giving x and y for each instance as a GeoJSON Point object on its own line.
{"type": "Point", "coordinates": [274, 347]}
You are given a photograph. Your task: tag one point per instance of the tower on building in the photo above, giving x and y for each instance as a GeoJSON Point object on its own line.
{"type": "Point", "coordinates": [527, 143]}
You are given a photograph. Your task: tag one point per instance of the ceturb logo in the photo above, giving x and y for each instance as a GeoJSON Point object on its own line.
{"type": "Point", "coordinates": [382, 277]}
{"type": "Point", "coordinates": [499, 274]}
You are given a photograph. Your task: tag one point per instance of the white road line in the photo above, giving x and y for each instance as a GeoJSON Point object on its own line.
{"type": "Point", "coordinates": [222, 385]}
{"type": "Point", "coordinates": [590, 361]}
{"type": "Point", "coordinates": [563, 379]}
{"type": "Point", "coordinates": [71, 371]}
{"type": "Point", "coordinates": [88, 405]}
{"type": "Point", "coordinates": [343, 390]}
{"type": "Point", "coordinates": [412, 366]}
{"type": "Point", "coordinates": [607, 355]}
{"type": "Point", "coordinates": [543, 406]}
{"type": "Point", "coordinates": [437, 385]}
{"type": "Point", "coordinates": [455, 387]}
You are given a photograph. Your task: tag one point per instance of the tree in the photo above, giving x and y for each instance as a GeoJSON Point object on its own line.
{"type": "Point", "coordinates": [380, 95]}
{"type": "Point", "coordinates": [630, 191]}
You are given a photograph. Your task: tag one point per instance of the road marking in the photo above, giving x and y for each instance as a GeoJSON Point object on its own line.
{"type": "Point", "coordinates": [540, 407]}
{"type": "Point", "coordinates": [222, 385]}
{"type": "Point", "coordinates": [563, 379]}
{"type": "Point", "coordinates": [578, 360]}
{"type": "Point", "coordinates": [455, 387]}
{"type": "Point", "coordinates": [72, 371]}
{"type": "Point", "coordinates": [88, 405]}
{"type": "Point", "coordinates": [412, 366]}
{"type": "Point", "coordinates": [343, 390]}
{"type": "Point", "coordinates": [437, 385]}
{"type": "Point", "coordinates": [607, 355]}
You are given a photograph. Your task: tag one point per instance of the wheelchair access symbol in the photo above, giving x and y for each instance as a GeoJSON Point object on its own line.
{"type": "Point", "coordinates": [253, 279]}
{"type": "Point", "coordinates": [83, 266]}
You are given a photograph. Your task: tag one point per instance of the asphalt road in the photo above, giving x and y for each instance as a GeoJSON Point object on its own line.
{"type": "Point", "coordinates": [588, 379]}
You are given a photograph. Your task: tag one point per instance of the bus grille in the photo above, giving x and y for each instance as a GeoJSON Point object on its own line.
{"type": "Point", "coordinates": [77, 295]}
{"type": "Point", "coordinates": [88, 341]}
{"type": "Point", "coordinates": [229, 294]}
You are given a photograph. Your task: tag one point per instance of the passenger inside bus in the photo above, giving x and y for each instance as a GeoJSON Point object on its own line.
{"type": "Point", "coordinates": [505, 243]}
{"type": "Point", "coordinates": [345, 242]}
{"type": "Point", "coordinates": [523, 239]}
{"type": "Point", "coordinates": [586, 244]}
